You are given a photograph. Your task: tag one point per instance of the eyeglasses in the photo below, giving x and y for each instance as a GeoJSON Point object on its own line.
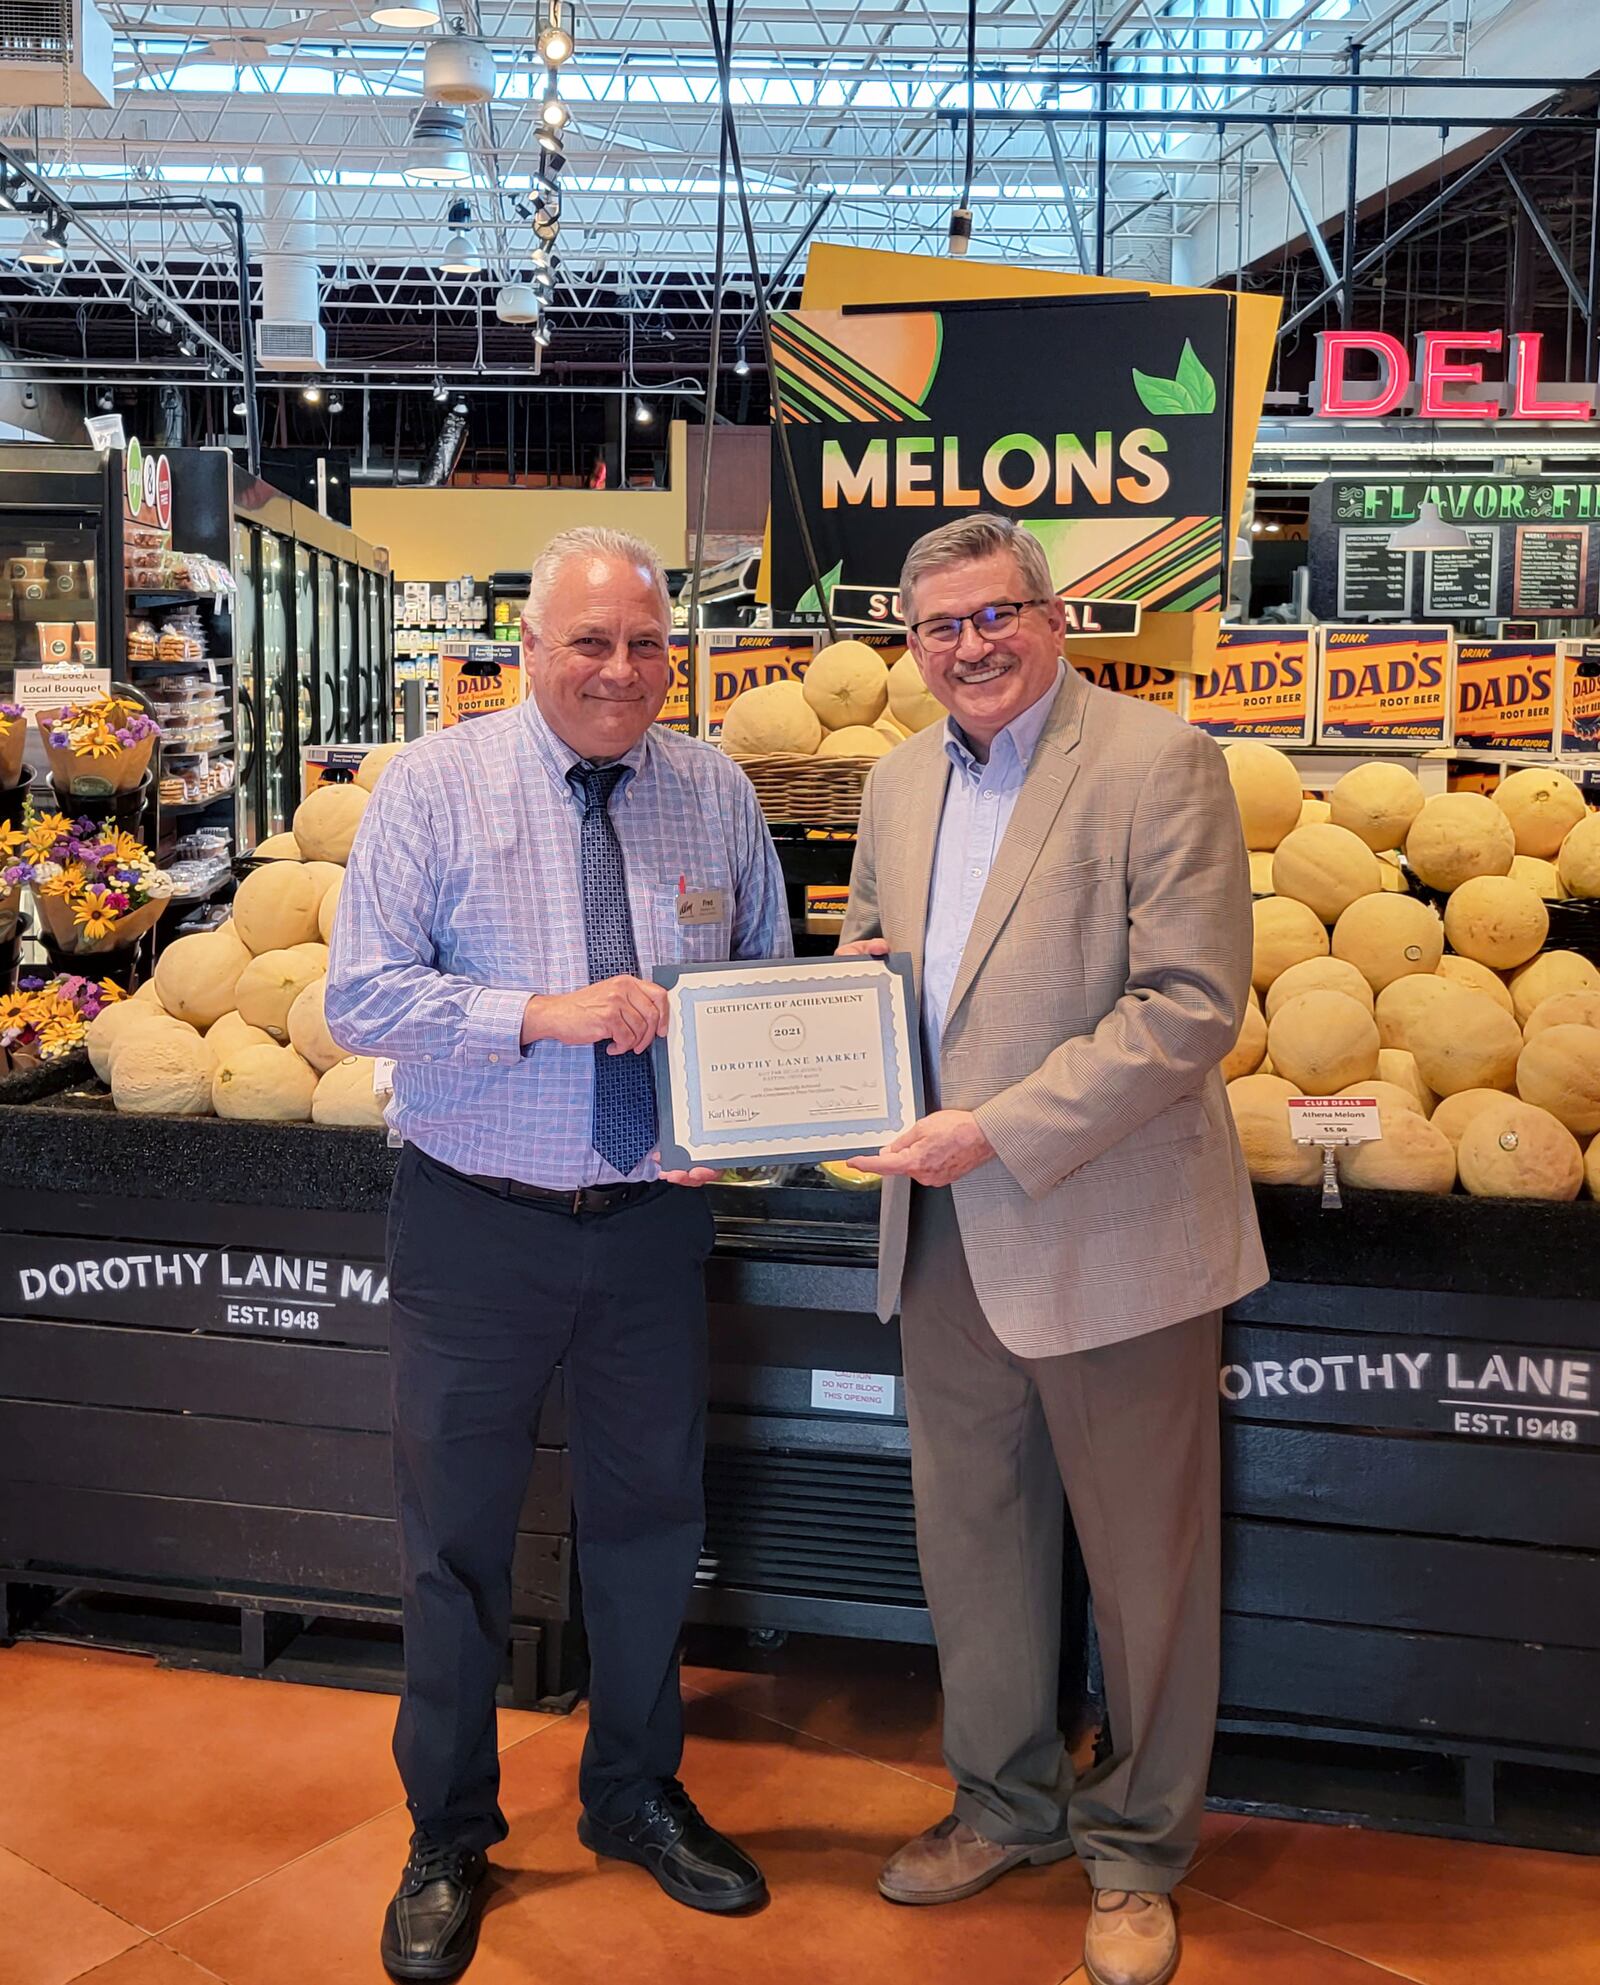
{"type": "Point", "coordinates": [990, 623]}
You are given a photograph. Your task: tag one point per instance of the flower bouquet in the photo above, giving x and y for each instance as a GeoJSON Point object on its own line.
{"type": "Point", "coordinates": [98, 889]}
{"type": "Point", "coordinates": [13, 739]}
{"type": "Point", "coordinates": [99, 747]}
{"type": "Point", "coordinates": [47, 1018]}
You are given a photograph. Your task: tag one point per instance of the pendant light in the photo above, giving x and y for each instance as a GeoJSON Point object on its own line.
{"type": "Point", "coordinates": [405, 14]}
{"type": "Point", "coordinates": [438, 151]}
{"type": "Point", "coordinates": [1430, 532]}
{"type": "Point", "coordinates": [44, 248]}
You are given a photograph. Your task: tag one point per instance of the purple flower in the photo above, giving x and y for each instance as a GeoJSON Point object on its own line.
{"type": "Point", "coordinates": [60, 740]}
{"type": "Point", "coordinates": [29, 984]}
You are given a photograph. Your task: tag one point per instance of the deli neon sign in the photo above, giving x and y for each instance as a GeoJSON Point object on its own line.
{"type": "Point", "coordinates": [1443, 381]}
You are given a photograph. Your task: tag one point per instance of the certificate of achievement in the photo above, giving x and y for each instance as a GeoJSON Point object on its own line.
{"type": "Point", "coordinates": [790, 1060]}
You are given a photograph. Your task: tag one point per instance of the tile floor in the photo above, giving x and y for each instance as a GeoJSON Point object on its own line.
{"type": "Point", "coordinates": [175, 1829]}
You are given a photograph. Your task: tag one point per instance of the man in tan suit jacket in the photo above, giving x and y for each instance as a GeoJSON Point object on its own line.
{"type": "Point", "coordinates": [1060, 1234]}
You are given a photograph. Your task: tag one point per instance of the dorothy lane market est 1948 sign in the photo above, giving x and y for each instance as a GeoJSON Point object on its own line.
{"type": "Point", "coordinates": [253, 1291]}
{"type": "Point", "coordinates": [1102, 423]}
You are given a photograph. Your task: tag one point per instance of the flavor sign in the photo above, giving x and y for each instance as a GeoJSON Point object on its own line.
{"type": "Point", "coordinates": [1506, 695]}
{"type": "Point", "coordinates": [1385, 686]}
{"type": "Point", "coordinates": [1102, 423]}
{"type": "Point", "coordinates": [1261, 686]}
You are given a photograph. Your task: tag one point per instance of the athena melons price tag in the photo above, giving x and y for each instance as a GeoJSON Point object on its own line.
{"type": "Point", "coordinates": [1334, 1119]}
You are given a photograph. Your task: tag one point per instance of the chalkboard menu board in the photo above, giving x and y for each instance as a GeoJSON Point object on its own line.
{"type": "Point", "coordinates": [1545, 560]}
{"type": "Point", "coordinates": [1462, 582]}
{"type": "Point", "coordinates": [1552, 569]}
{"type": "Point", "coordinates": [1372, 578]}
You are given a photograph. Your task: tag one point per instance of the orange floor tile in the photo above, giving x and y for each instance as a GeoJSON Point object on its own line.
{"type": "Point", "coordinates": [177, 1829]}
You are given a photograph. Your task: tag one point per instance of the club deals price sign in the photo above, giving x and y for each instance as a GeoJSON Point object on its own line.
{"type": "Point", "coordinates": [1260, 687]}
{"type": "Point", "coordinates": [1385, 686]}
{"type": "Point", "coordinates": [1102, 423]}
{"type": "Point", "coordinates": [1506, 695]}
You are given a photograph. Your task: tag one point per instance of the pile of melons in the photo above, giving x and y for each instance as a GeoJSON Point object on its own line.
{"type": "Point", "coordinates": [232, 1023]}
{"type": "Point", "coordinates": [851, 704]}
{"type": "Point", "coordinates": [1480, 1047]}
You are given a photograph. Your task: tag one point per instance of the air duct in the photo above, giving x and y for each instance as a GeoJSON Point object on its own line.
{"type": "Point", "coordinates": [290, 337]}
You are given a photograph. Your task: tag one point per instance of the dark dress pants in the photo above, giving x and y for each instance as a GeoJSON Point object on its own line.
{"type": "Point", "coordinates": [487, 1296]}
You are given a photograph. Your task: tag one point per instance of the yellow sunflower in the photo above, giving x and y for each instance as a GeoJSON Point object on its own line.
{"type": "Point", "coordinates": [42, 834]}
{"type": "Point", "coordinates": [126, 852]}
{"type": "Point", "coordinates": [110, 992]}
{"type": "Point", "coordinates": [11, 839]}
{"type": "Point", "coordinates": [16, 1010]}
{"type": "Point", "coordinates": [67, 883]}
{"type": "Point", "coordinates": [91, 913]}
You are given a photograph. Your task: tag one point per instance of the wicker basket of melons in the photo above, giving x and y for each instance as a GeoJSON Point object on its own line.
{"type": "Point", "coordinates": [808, 746]}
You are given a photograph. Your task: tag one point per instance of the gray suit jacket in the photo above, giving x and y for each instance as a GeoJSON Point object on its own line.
{"type": "Point", "coordinates": [1102, 983]}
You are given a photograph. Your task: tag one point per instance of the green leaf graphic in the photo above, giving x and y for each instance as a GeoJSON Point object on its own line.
{"type": "Point", "coordinates": [1193, 391]}
{"type": "Point", "coordinates": [808, 601]}
{"type": "Point", "coordinates": [1199, 384]}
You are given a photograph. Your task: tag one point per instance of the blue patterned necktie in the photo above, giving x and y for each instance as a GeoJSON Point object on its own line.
{"type": "Point", "coordinates": [624, 1122]}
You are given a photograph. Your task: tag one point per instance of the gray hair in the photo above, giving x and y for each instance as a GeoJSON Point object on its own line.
{"type": "Point", "coordinates": [589, 541]}
{"type": "Point", "coordinates": [975, 537]}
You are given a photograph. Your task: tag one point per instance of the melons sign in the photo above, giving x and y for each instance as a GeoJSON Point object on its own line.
{"type": "Point", "coordinates": [1102, 423]}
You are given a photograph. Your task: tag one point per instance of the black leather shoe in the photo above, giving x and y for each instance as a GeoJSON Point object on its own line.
{"type": "Point", "coordinates": [694, 1863]}
{"type": "Point", "coordinates": [431, 1929]}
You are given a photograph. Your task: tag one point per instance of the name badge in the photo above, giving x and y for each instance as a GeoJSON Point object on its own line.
{"type": "Point", "coordinates": [702, 906]}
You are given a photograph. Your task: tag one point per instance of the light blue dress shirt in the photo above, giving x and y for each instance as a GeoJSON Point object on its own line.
{"type": "Point", "coordinates": [462, 898]}
{"type": "Point", "coordinates": [979, 800]}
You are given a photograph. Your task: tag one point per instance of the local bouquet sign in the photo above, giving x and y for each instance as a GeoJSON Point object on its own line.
{"type": "Point", "coordinates": [1102, 423]}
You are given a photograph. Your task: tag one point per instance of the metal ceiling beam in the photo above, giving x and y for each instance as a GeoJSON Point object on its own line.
{"type": "Point", "coordinates": [1547, 241]}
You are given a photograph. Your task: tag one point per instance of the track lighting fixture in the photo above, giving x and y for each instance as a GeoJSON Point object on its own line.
{"type": "Point", "coordinates": [311, 393]}
{"type": "Point", "coordinates": [555, 40]}
{"type": "Point", "coordinates": [741, 365]}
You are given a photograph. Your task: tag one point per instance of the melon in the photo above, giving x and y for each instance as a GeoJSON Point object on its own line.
{"type": "Point", "coordinates": [276, 848]}
{"type": "Point", "coordinates": [1318, 975]}
{"type": "Point", "coordinates": [1326, 868]}
{"type": "Point", "coordinates": [327, 910]}
{"type": "Point", "coordinates": [911, 701]}
{"type": "Point", "coordinates": [371, 768]}
{"type": "Point", "coordinates": [1496, 920]}
{"type": "Point", "coordinates": [1514, 1150]}
{"type": "Point", "coordinates": [264, 1085]}
{"type": "Point", "coordinates": [1578, 863]}
{"type": "Point", "coordinates": [1322, 1042]}
{"type": "Point", "coordinates": [1260, 871]}
{"type": "Point", "coordinates": [344, 1094]}
{"type": "Point", "coordinates": [1457, 836]}
{"type": "Point", "coordinates": [1314, 812]}
{"type": "Point", "coordinates": [276, 906]}
{"type": "Point", "coordinates": [893, 730]}
{"type": "Point", "coordinates": [1377, 803]}
{"type": "Point", "coordinates": [1542, 877]}
{"type": "Point", "coordinates": [1410, 1156]}
{"type": "Point", "coordinates": [1452, 1114]}
{"type": "Point", "coordinates": [1542, 805]}
{"type": "Point", "coordinates": [1468, 972]}
{"type": "Point", "coordinates": [114, 1024]}
{"type": "Point", "coordinates": [1568, 1009]}
{"type": "Point", "coordinates": [1398, 1066]}
{"type": "Point", "coordinates": [1551, 972]}
{"type": "Point", "coordinates": [1386, 937]}
{"type": "Point", "coordinates": [1260, 1106]}
{"type": "Point", "coordinates": [1466, 1042]}
{"type": "Point", "coordinates": [326, 820]}
{"type": "Point", "coordinates": [847, 685]}
{"type": "Point", "coordinates": [1379, 1091]}
{"type": "Point", "coordinates": [775, 717]}
{"type": "Point", "coordinates": [1266, 789]}
{"type": "Point", "coordinates": [271, 983]}
{"type": "Point", "coordinates": [163, 1072]}
{"type": "Point", "coordinates": [197, 977]}
{"type": "Point", "coordinates": [1403, 1006]}
{"type": "Point", "coordinates": [326, 875]}
{"type": "Point", "coordinates": [854, 741]}
{"type": "Point", "coordinates": [1285, 933]}
{"type": "Point", "coordinates": [1559, 1070]}
{"type": "Point", "coordinates": [1591, 1168]}
{"type": "Point", "coordinates": [146, 995]}
{"type": "Point", "coordinates": [308, 1028]}
{"type": "Point", "coordinates": [1250, 1045]}
{"type": "Point", "coordinates": [234, 1031]}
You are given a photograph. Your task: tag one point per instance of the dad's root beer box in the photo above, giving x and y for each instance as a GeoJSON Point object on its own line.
{"type": "Point", "coordinates": [1386, 688]}
{"type": "Point", "coordinates": [1149, 683]}
{"type": "Point", "coordinates": [1506, 695]}
{"type": "Point", "coordinates": [1262, 685]}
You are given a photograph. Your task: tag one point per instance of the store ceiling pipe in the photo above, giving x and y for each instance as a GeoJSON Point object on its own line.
{"type": "Point", "coordinates": [41, 411]}
{"type": "Point", "coordinates": [290, 337]}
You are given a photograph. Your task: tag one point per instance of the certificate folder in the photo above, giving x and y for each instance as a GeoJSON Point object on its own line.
{"type": "Point", "coordinates": [786, 1061]}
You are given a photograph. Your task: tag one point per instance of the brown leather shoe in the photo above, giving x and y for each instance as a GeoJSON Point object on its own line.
{"type": "Point", "coordinates": [950, 1861]}
{"type": "Point", "coordinates": [1132, 1938]}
